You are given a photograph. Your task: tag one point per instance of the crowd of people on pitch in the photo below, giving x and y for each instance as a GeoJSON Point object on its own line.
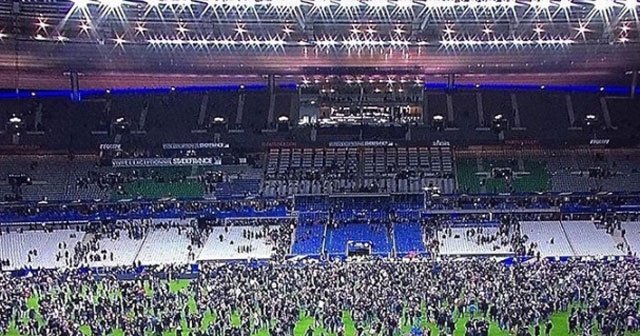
{"type": "Point", "coordinates": [381, 296]}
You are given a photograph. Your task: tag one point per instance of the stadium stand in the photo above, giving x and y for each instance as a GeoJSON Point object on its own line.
{"type": "Point", "coordinates": [39, 248]}
{"type": "Point", "coordinates": [117, 248]}
{"type": "Point", "coordinates": [632, 236]}
{"type": "Point", "coordinates": [53, 177]}
{"type": "Point", "coordinates": [549, 238]}
{"type": "Point", "coordinates": [408, 238]}
{"type": "Point", "coordinates": [587, 240]}
{"type": "Point", "coordinates": [584, 171]}
{"type": "Point", "coordinates": [341, 235]}
{"type": "Point", "coordinates": [472, 241]}
{"type": "Point", "coordinates": [310, 233]}
{"type": "Point", "coordinates": [237, 243]}
{"type": "Point", "coordinates": [168, 245]}
{"type": "Point", "coordinates": [350, 169]}
{"type": "Point", "coordinates": [319, 168]}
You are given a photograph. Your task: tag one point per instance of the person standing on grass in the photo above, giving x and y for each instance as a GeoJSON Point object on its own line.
{"type": "Point", "coordinates": [547, 328]}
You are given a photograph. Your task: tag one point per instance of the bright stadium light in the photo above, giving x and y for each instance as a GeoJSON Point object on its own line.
{"type": "Point", "coordinates": [448, 30]}
{"type": "Point", "coordinates": [240, 29]}
{"type": "Point", "coordinates": [179, 3]}
{"type": "Point", "coordinates": [625, 27]}
{"type": "Point", "coordinates": [286, 3]}
{"type": "Point", "coordinates": [327, 42]}
{"type": "Point", "coordinates": [84, 27]}
{"type": "Point", "coordinates": [438, 122]}
{"type": "Point", "coordinates": [112, 4]}
{"type": "Point", "coordinates": [398, 30]}
{"type": "Point", "coordinates": [140, 28]}
{"type": "Point", "coordinates": [232, 3]}
{"type": "Point", "coordinates": [377, 3]}
{"type": "Point", "coordinates": [80, 3]}
{"type": "Point", "coordinates": [511, 4]}
{"type": "Point", "coordinates": [274, 42]}
{"type": "Point", "coordinates": [287, 30]}
{"type": "Point", "coordinates": [565, 4]}
{"type": "Point", "coordinates": [153, 3]}
{"type": "Point", "coordinates": [602, 5]}
{"type": "Point", "coordinates": [42, 24]}
{"type": "Point", "coordinates": [399, 43]}
{"type": "Point", "coordinates": [119, 41]}
{"type": "Point", "coordinates": [582, 30]}
{"type": "Point", "coordinates": [540, 4]}
{"type": "Point", "coordinates": [182, 28]}
{"type": "Point", "coordinates": [631, 4]}
{"type": "Point", "coordinates": [350, 3]}
{"type": "Point", "coordinates": [517, 42]}
{"type": "Point", "coordinates": [321, 3]}
{"type": "Point", "coordinates": [404, 4]}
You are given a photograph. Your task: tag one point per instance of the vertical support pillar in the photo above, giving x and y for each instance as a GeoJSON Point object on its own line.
{"type": "Point", "coordinates": [240, 108]}
{"type": "Point", "coordinates": [272, 102]}
{"type": "Point", "coordinates": [516, 112]}
{"type": "Point", "coordinates": [480, 110]}
{"type": "Point", "coordinates": [202, 114]}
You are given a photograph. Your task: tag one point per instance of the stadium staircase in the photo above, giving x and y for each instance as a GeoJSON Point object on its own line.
{"type": "Point", "coordinates": [618, 239]}
{"type": "Point", "coordinates": [566, 236]}
{"type": "Point", "coordinates": [324, 235]}
{"type": "Point", "coordinates": [295, 214]}
{"type": "Point", "coordinates": [394, 248]}
{"type": "Point", "coordinates": [144, 240]}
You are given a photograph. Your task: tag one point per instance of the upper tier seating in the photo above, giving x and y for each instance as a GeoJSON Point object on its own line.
{"type": "Point", "coordinates": [347, 169]}
{"type": "Point", "coordinates": [53, 177]}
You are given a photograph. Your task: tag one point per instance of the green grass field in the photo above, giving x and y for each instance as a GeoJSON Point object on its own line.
{"type": "Point", "coordinates": [559, 321]}
{"type": "Point", "coordinates": [469, 180]}
{"type": "Point", "coordinates": [151, 189]}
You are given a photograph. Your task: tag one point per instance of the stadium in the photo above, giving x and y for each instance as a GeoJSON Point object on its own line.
{"type": "Point", "coordinates": [319, 167]}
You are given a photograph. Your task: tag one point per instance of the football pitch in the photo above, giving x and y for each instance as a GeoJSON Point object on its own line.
{"type": "Point", "coordinates": [559, 320]}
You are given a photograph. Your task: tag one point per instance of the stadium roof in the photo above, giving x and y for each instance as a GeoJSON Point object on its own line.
{"type": "Point", "coordinates": [152, 41]}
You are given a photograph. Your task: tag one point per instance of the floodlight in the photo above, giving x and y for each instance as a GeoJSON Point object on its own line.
{"type": "Point", "coordinates": [111, 3]}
